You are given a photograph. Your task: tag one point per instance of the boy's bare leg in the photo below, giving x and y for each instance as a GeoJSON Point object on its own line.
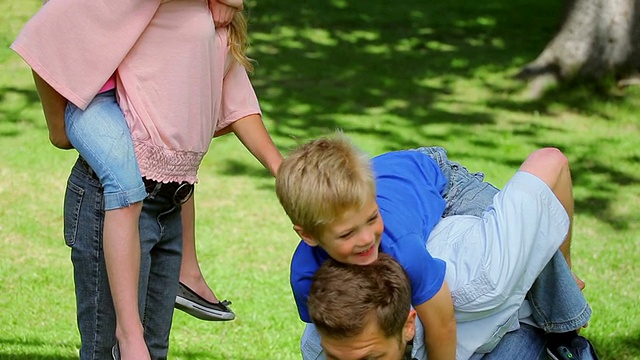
{"type": "Point", "coordinates": [122, 258]}
{"type": "Point", "coordinates": [552, 167]}
{"type": "Point", "coordinates": [190, 273]}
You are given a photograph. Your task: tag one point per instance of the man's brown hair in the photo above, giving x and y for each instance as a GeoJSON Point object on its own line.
{"type": "Point", "coordinates": [344, 298]}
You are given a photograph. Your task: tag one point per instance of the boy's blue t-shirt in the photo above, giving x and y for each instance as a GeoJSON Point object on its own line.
{"type": "Point", "coordinates": [409, 187]}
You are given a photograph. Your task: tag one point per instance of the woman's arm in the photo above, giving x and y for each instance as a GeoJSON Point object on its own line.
{"type": "Point", "coordinates": [53, 106]}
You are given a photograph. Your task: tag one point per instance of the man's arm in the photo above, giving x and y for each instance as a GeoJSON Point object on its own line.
{"type": "Point", "coordinates": [53, 105]}
{"type": "Point", "coordinates": [436, 314]}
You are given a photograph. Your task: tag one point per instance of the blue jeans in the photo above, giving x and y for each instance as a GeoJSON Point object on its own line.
{"type": "Point", "coordinates": [526, 343]}
{"type": "Point", "coordinates": [161, 253]}
{"type": "Point", "coordinates": [101, 135]}
{"type": "Point", "coordinates": [556, 301]}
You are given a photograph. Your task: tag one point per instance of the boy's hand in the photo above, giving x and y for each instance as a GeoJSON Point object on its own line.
{"type": "Point", "coordinates": [439, 322]}
{"type": "Point", "coordinates": [222, 12]}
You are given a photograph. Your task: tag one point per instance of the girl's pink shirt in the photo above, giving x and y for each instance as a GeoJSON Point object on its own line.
{"type": "Point", "coordinates": [176, 82]}
{"type": "Point", "coordinates": [109, 85]}
{"type": "Point", "coordinates": [76, 45]}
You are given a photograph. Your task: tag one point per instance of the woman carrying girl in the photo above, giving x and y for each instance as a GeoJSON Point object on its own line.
{"type": "Point", "coordinates": [177, 84]}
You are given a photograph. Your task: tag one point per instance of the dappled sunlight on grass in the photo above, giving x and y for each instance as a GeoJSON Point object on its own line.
{"type": "Point", "coordinates": [392, 76]}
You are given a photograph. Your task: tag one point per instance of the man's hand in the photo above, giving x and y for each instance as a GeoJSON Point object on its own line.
{"type": "Point", "coordinates": [222, 12]}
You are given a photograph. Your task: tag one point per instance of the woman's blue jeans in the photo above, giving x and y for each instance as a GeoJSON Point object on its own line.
{"type": "Point", "coordinates": [161, 254]}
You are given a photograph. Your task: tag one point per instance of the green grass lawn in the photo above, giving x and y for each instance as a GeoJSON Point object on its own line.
{"type": "Point", "coordinates": [391, 76]}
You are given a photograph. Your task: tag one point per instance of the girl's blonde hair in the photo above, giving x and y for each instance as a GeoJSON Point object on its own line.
{"type": "Point", "coordinates": [239, 40]}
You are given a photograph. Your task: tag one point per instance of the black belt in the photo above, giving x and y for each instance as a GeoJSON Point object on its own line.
{"type": "Point", "coordinates": [178, 192]}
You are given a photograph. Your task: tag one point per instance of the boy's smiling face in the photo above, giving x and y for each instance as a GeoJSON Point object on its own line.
{"type": "Point", "coordinates": [353, 238]}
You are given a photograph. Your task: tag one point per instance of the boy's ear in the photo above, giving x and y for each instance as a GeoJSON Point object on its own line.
{"type": "Point", "coordinates": [306, 237]}
{"type": "Point", "coordinates": [409, 331]}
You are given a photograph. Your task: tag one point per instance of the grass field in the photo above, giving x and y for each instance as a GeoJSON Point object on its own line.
{"type": "Point", "coordinates": [391, 76]}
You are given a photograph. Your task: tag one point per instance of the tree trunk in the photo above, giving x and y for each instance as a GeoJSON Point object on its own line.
{"type": "Point", "coordinates": [597, 37]}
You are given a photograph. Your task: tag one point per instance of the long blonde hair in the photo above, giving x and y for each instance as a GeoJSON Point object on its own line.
{"type": "Point", "coordinates": [239, 40]}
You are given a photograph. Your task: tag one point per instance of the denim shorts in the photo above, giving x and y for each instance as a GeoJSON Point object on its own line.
{"type": "Point", "coordinates": [466, 193]}
{"type": "Point", "coordinates": [102, 137]}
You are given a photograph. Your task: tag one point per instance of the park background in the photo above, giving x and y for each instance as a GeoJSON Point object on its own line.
{"type": "Point", "coordinates": [392, 75]}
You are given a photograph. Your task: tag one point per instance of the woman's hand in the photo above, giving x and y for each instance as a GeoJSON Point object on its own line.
{"type": "Point", "coordinates": [222, 12]}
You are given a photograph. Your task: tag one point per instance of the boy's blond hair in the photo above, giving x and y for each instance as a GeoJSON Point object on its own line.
{"type": "Point", "coordinates": [239, 40]}
{"type": "Point", "coordinates": [321, 180]}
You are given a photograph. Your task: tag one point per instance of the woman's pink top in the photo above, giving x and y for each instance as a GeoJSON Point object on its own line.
{"type": "Point", "coordinates": [176, 82]}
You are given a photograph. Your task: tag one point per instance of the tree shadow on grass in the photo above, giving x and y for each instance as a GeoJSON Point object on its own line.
{"type": "Point", "coordinates": [13, 101]}
{"type": "Point", "coordinates": [383, 70]}
{"type": "Point", "coordinates": [329, 60]}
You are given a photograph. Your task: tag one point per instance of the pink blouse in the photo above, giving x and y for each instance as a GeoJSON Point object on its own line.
{"type": "Point", "coordinates": [176, 81]}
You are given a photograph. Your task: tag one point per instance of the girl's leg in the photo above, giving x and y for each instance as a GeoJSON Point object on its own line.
{"type": "Point", "coordinates": [121, 246]}
{"type": "Point", "coordinates": [101, 136]}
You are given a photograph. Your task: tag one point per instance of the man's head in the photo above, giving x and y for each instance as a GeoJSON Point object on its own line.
{"type": "Point", "coordinates": [362, 312]}
{"type": "Point", "coordinates": [327, 188]}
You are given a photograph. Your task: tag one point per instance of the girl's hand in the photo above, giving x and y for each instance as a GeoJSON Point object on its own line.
{"type": "Point", "coordinates": [60, 140]}
{"type": "Point", "coordinates": [222, 13]}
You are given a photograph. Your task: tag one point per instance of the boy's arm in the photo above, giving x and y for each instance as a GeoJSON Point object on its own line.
{"type": "Point", "coordinates": [436, 314]}
{"type": "Point", "coordinates": [53, 106]}
{"type": "Point", "coordinates": [254, 136]}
